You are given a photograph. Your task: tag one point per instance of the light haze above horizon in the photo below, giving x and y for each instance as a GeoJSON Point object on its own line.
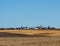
{"type": "Point", "coordinates": [16, 13]}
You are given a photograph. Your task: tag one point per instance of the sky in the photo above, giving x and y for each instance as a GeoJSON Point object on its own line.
{"type": "Point", "coordinates": [16, 13]}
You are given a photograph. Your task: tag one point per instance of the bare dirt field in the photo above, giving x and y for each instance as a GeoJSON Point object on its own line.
{"type": "Point", "coordinates": [29, 37]}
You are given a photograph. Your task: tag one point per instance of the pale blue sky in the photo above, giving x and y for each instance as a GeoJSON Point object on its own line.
{"type": "Point", "coordinates": [15, 13]}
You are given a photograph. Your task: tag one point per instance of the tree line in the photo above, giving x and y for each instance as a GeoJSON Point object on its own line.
{"type": "Point", "coordinates": [29, 28]}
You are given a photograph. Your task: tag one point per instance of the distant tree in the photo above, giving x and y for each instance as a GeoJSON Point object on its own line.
{"type": "Point", "coordinates": [44, 28]}
{"type": "Point", "coordinates": [21, 27]}
{"type": "Point", "coordinates": [48, 27]}
{"type": "Point", "coordinates": [1, 28]}
{"type": "Point", "coordinates": [40, 27]}
{"type": "Point", "coordinates": [31, 28]}
{"type": "Point", "coordinates": [11, 28]}
{"type": "Point", "coordinates": [18, 28]}
{"type": "Point", "coordinates": [26, 27]}
{"type": "Point", "coordinates": [53, 28]}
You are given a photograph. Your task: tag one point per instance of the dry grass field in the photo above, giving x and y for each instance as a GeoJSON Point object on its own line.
{"type": "Point", "coordinates": [29, 41]}
{"type": "Point", "coordinates": [34, 32]}
{"type": "Point", "coordinates": [29, 37]}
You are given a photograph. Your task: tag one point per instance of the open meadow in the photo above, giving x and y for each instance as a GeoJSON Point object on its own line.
{"type": "Point", "coordinates": [29, 37]}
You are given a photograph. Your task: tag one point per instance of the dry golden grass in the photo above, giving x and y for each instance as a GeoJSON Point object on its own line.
{"type": "Point", "coordinates": [31, 41]}
{"type": "Point", "coordinates": [34, 32]}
